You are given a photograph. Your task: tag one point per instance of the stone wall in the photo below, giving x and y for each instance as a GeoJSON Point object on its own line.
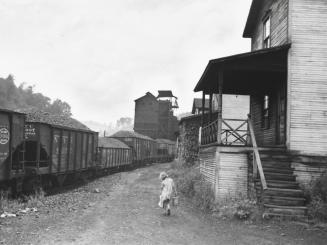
{"type": "Point", "coordinates": [188, 141]}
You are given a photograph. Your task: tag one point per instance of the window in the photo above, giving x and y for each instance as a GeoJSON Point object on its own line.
{"type": "Point", "coordinates": [265, 112]}
{"type": "Point", "coordinates": [266, 33]}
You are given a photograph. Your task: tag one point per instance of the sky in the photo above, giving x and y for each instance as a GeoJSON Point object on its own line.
{"type": "Point", "coordinates": [101, 55]}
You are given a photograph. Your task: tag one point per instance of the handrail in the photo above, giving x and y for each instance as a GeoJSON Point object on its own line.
{"type": "Point", "coordinates": [230, 134]}
{"type": "Point", "coordinates": [256, 155]}
{"type": "Point", "coordinates": [209, 124]}
{"type": "Point", "coordinates": [235, 132]}
{"type": "Point", "coordinates": [208, 133]}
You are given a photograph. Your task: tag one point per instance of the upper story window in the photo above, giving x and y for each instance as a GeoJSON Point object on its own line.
{"type": "Point", "coordinates": [266, 113]}
{"type": "Point", "coordinates": [266, 33]}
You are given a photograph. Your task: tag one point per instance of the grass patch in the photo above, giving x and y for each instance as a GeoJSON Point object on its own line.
{"type": "Point", "coordinates": [191, 184]}
{"type": "Point", "coordinates": [12, 205]}
{"type": "Point", "coordinates": [316, 195]}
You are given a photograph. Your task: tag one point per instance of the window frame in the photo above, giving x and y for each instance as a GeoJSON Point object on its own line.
{"type": "Point", "coordinates": [267, 38]}
{"type": "Point", "coordinates": [266, 111]}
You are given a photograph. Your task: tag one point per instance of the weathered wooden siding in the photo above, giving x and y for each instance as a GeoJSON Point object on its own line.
{"type": "Point", "coordinates": [264, 137]}
{"type": "Point", "coordinates": [208, 161]}
{"type": "Point", "coordinates": [306, 174]}
{"type": "Point", "coordinates": [226, 169]}
{"type": "Point", "coordinates": [234, 106]}
{"type": "Point", "coordinates": [307, 77]}
{"type": "Point", "coordinates": [232, 174]}
{"type": "Point", "coordinates": [279, 23]}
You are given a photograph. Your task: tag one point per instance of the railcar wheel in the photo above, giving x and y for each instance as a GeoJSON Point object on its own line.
{"type": "Point", "coordinates": [32, 185]}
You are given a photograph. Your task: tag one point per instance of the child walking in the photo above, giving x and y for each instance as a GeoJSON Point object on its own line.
{"type": "Point", "coordinates": [168, 188]}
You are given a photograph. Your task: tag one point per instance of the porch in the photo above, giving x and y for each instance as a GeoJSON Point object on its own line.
{"type": "Point", "coordinates": [242, 155]}
{"type": "Point", "coordinates": [261, 75]}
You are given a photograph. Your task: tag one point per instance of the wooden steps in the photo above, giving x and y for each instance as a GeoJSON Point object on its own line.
{"type": "Point", "coordinates": [286, 210]}
{"type": "Point", "coordinates": [280, 184]}
{"type": "Point", "coordinates": [279, 176]}
{"type": "Point", "coordinates": [289, 201]}
{"type": "Point", "coordinates": [274, 169]}
{"type": "Point", "coordinates": [283, 197]}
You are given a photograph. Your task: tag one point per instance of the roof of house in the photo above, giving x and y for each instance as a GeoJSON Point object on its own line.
{"type": "Point", "coordinates": [252, 17]}
{"type": "Point", "coordinates": [165, 141]}
{"type": "Point", "coordinates": [190, 117]}
{"type": "Point", "coordinates": [165, 93]}
{"type": "Point", "coordinates": [37, 116]}
{"type": "Point", "coordinates": [108, 142]}
{"type": "Point", "coordinates": [129, 134]}
{"type": "Point", "coordinates": [243, 67]}
{"type": "Point", "coordinates": [148, 94]}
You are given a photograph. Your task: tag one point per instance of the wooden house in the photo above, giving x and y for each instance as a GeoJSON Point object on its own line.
{"type": "Point", "coordinates": [197, 106]}
{"type": "Point", "coordinates": [282, 146]}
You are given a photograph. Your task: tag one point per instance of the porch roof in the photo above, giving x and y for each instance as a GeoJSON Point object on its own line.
{"type": "Point", "coordinates": [247, 72]}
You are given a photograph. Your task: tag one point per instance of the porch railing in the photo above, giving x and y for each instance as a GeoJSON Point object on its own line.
{"type": "Point", "coordinates": [209, 133]}
{"type": "Point", "coordinates": [235, 132]}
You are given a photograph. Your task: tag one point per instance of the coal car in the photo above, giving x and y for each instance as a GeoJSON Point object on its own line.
{"type": "Point", "coordinates": [142, 146]}
{"type": "Point", "coordinates": [113, 154]}
{"type": "Point", "coordinates": [165, 150]}
{"type": "Point", "coordinates": [11, 148]}
{"type": "Point", "coordinates": [56, 147]}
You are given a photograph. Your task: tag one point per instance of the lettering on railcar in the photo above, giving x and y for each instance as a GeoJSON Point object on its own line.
{"type": "Point", "coordinates": [30, 131]}
{"type": "Point", "coordinates": [4, 135]}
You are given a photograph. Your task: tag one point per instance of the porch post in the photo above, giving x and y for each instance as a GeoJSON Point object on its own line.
{"type": "Point", "coordinates": [210, 108]}
{"type": "Point", "coordinates": [220, 105]}
{"type": "Point", "coordinates": [203, 108]}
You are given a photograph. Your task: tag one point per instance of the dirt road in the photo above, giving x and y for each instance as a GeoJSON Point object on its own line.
{"type": "Point", "coordinates": [127, 213]}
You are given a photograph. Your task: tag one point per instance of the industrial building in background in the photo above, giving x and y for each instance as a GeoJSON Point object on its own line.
{"type": "Point", "coordinates": [154, 116]}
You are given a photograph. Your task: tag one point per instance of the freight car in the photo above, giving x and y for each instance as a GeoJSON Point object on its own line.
{"type": "Point", "coordinates": [56, 147]}
{"type": "Point", "coordinates": [143, 147]}
{"type": "Point", "coordinates": [40, 149]}
{"type": "Point", "coordinates": [11, 148]}
{"type": "Point", "coordinates": [113, 154]}
{"type": "Point", "coordinates": [165, 150]}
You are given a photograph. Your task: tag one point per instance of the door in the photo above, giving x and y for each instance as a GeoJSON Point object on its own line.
{"type": "Point", "coordinates": [281, 116]}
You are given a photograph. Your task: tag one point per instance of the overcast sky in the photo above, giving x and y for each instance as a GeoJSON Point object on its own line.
{"type": "Point", "coordinates": [100, 55]}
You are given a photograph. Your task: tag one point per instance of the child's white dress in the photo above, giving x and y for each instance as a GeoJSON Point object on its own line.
{"type": "Point", "coordinates": [167, 186]}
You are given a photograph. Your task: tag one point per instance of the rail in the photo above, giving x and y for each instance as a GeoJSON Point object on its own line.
{"type": "Point", "coordinates": [256, 157]}
{"type": "Point", "coordinates": [233, 132]}
{"type": "Point", "coordinates": [208, 133]}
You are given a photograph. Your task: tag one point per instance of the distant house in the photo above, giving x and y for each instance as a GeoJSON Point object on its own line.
{"type": "Point", "coordinates": [197, 106]}
{"type": "Point", "coordinates": [286, 134]}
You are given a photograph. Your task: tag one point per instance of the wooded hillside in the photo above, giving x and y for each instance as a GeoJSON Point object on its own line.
{"type": "Point", "coordinates": [23, 97]}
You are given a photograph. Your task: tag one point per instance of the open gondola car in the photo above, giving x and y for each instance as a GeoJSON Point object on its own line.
{"type": "Point", "coordinates": [165, 150]}
{"type": "Point", "coordinates": [113, 154]}
{"type": "Point", "coordinates": [56, 147]}
{"type": "Point", "coordinates": [142, 146]}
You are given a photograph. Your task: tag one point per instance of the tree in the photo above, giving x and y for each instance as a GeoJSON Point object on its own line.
{"type": "Point", "coordinates": [60, 107]}
{"type": "Point", "coordinates": [24, 97]}
{"type": "Point", "coordinates": [125, 123]}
